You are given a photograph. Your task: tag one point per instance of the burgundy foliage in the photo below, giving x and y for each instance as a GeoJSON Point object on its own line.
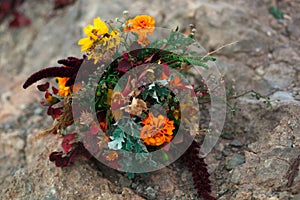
{"type": "Point", "coordinates": [9, 7]}
{"type": "Point", "coordinates": [58, 4]}
{"type": "Point", "coordinates": [66, 159]}
{"type": "Point", "coordinates": [199, 171]}
{"type": "Point", "coordinates": [70, 71]}
{"type": "Point", "coordinates": [43, 87]}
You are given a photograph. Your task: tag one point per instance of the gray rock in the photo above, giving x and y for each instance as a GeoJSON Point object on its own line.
{"type": "Point", "coordinates": [227, 136]}
{"type": "Point", "coordinates": [243, 77]}
{"type": "Point", "coordinates": [12, 149]}
{"type": "Point", "coordinates": [236, 143]}
{"type": "Point", "coordinates": [226, 153]}
{"type": "Point", "coordinates": [226, 23]}
{"type": "Point", "coordinates": [151, 193]}
{"type": "Point", "coordinates": [222, 191]}
{"type": "Point", "coordinates": [276, 75]}
{"type": "Point", "coordinates": [50, 182]}
{"type": "Point", "coordinates": [266, 170]}
{"type": "Point", "coordinates": [234, 161]}
{"type": "Point", "coordinates": [282, 96]}
{"type": "Point", "coordinates": [293, 28]}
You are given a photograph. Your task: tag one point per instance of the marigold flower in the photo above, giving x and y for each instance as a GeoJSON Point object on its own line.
{"type": "Point", "coordinates": [63, 89]}
{"type": "Point", "coordinates": [157, 130]}
{"type": "Point", "coordinates": [142, 25]}
{"type": "Point", "coordinates": [99, 42]}
{"type": "Point", "coordinates": [93, 32]}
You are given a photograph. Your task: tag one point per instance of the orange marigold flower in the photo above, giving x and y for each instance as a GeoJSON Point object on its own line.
{"type": "Point", "coordinates": [157, 130]}
{"type": "Point", "coordinates": [142, 25]}
{"type": "Point", "coordinates": [63, 90]}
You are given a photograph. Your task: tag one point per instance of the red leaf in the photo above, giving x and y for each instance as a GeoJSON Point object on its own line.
{"type": "Point", "coordinates": [54, 112]}
{"type": "Point", "coordinates": [63, 160]}
{"type": "Point", "coordinates": [19, 20]}
{"type": "Point", "coordinates": [43, 87]}
{"type": "Point", "coordinates": [55, 91]}
{"type": "Point", "coordinates": [124, 66]}
{"type": "Point", "coordinates": [67, 142]}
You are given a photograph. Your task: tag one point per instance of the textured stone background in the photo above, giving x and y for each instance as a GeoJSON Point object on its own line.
{"type": "Point", "coordinates": [251, 164]}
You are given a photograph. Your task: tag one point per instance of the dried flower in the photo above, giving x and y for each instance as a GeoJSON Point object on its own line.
{"type": "Point", "coordinates": [118, 100]}
{"type": "Point", "coordinates": [86, 118]}
{"type": "Point", "coordinates": [136, 107]}
{"type": "Point", "coordinates": [111, 155]}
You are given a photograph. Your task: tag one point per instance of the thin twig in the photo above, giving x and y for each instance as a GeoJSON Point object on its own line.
{"type": "Point", "coordinates": [218, 49]}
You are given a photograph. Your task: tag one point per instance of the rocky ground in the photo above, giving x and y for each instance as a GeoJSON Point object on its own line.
{"type": "Point", "coordinates": [258, 148]}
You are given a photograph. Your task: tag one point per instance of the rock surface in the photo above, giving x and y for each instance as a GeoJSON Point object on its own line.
{"type": "Point", "coordinates": [42, 180]}
{"type": "Point", "coordinates": [266, 59]}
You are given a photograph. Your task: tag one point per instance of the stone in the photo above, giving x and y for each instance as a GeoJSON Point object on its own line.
{"type": "Point", "coordinates": [234, 161]}
{"type": "Point", "coordinates": [49, 182]}
{"type": "Point", "coordinates": [276, 75]}
{"type": "Point", "coordinates": [282, 96]}
{"type": "Point", "coordinates": [227, 136]}
{"type": "Point", "coordinates": [269, 166]}
{"type": "Point", "coordinates": [286, 54]}
{"type": "Point", "coordinates": [293, 28]}
{"type": "Point", "coordinates": [222, 23]}
{"type": "Point", "coordinates": [236, 143]}
{"type": "Point", "coordinates": [150, 192]}
{"type": "Point", "coordinates": [242, 77]}
{"type": "Point", "coordinates": [12, 148]}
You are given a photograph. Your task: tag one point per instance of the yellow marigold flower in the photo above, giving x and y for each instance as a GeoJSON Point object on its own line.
{"type": "Point", "coordinates": [94, 33]}
{"type": "Point", "coordinates": [63, 90]}
{"type": "Point", "coordinates": [157, 130]}
{"type": "Point", "coordinates": [142, 25]}
{"type": "Point", "coordinates": [99, 43]}
{"type": "Point", "coordinates": [86, 44]}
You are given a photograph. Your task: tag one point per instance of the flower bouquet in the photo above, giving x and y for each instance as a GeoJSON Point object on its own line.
{"type": "Point", "coordinates": [132, 101]}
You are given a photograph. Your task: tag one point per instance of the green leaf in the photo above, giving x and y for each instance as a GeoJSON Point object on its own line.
{"type": "Point", "coordinates": [116, 144]}
{"type": "Point", "coordinates": [117, 139]}
{"type": "Point", "coordinates": [130, 175]}
{"type": "Point", "coordinates": [276, 12]}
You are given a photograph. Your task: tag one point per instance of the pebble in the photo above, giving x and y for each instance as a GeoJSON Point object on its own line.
{"type": "Point", "coordinates": [184, 176]}
{"type": "Point", "coordinates": [6, 126]}
{"type": "Point", "coordinates": [234, 161]}
{"type": "Point", "coordinates": [226, 136]}
{"type": "Point", "coordinates": [236, 143]}
{"type": "Point", "coordinates": [23, 133]}
{"type": "Point", "coordinates": [219, 157]}
{"type": "Point", "coordinates": [226, 153]}
{"type": "Point", "coordinates": [150, 192]}
{"type": "Point", "coordinates": [38, 111]}
{"type": "Point", "coordinates": [134, 185]}
{"type": "Point", "coordinates": [140, 188]}
{"type": "Point", "coordinates": [222, 191]}
{"type": "Point", "coordinates": [124, 182]}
